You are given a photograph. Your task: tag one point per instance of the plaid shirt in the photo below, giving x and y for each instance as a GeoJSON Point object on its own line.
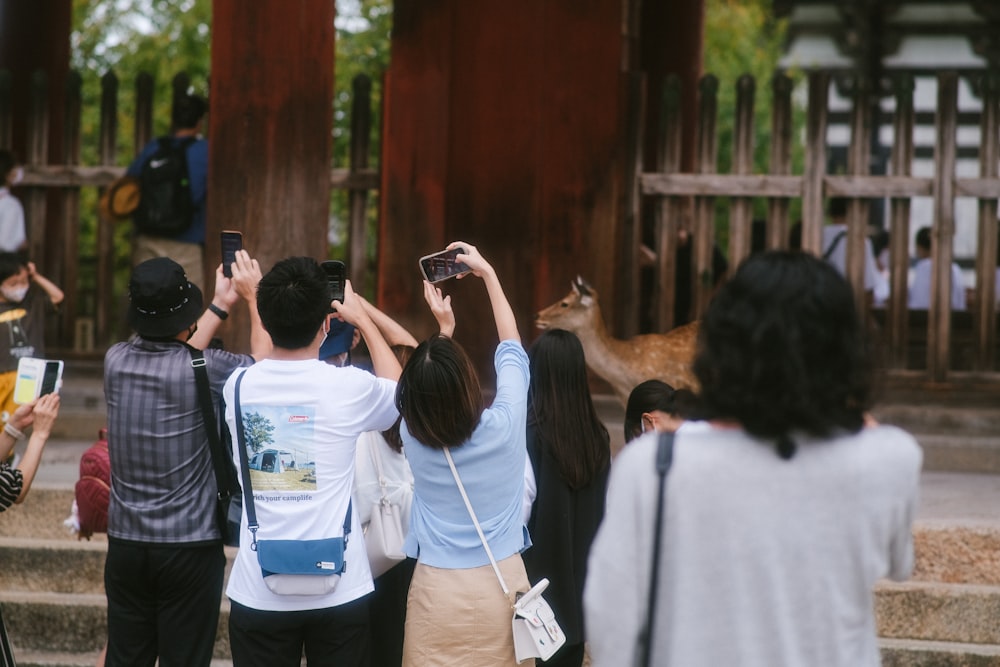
{"type": "Point", "coordinates": [163, 486]}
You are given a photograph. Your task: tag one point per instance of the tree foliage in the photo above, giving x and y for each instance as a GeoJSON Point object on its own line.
{"type": "Point", "coordinates": [258, 431]}
{"type": "Point", "coordinates": [745, 37]}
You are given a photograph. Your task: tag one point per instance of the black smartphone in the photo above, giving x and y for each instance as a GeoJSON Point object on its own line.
{"type": "Point", "coordinates": [336, 276]}
{"type": "Point", "coordinates": [51, 378]}
{"type": "Point", "coordinates": [231, 242]}
{"type": "Point", "coordinates": [442, 265]}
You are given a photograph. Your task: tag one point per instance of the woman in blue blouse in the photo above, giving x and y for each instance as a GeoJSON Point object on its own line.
{"type": "Point", "coordinates": [456, 611]}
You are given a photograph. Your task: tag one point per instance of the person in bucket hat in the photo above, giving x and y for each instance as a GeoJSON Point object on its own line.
{"type": "Point", "coordinates": [164, 568]}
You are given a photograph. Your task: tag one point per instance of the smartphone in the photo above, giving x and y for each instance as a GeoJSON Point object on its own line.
{"type": "Point", "coordinates": [336, 276]}
{"type": "Point", "coordinates": [443, 265]}
{"type": "Point", "coordinates": [36, 377]}
{"type": "Point", "coordinates": [231, 242]}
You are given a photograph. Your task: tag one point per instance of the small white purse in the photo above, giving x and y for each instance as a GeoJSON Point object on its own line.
{"type": "Point", "coordinates": [536, 631]}
{"type": "Point", "coordinates": [385, 530]}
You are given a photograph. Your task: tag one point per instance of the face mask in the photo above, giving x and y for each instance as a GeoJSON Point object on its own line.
{"type": "Point", "coordinates": [17, 176]}
{"type": "Point", "coordinates": [192, 330]}
{"type": "Point", "coordinates": [14, 294]}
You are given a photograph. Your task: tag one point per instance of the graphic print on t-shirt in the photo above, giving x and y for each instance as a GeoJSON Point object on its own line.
{"type": "Point", "coordinates": [279, 441]}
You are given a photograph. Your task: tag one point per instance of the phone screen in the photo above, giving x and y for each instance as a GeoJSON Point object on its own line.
{"type": "Point", "coordinates": [442, 265]}
{"type": "Point", "coordinates": [231, 242]}
{"type": "Point", "coordinates": [26, 384]}
{"type": "Point", "coordinates": [51, 377]}
{"type": "Point", "coordinates": [336, 275]}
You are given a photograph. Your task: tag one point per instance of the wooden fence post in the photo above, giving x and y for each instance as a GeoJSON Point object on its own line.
{"type": "Point", "coordinates": [741, 212]}
{"type": "Point", "coordinates": [67, 266]}
{"type": "Point", "coordinates": [361, 122]}
{"type": "Point", "coordinates": [899, 225]}
{"type": "Point", "coordinates": [781, 158]}
{"type": "Point", "coordinates": [703, 237]}
{"type": "Point", "coordinates": [987, 254]}
{"type": "Point", "coordinates": [858, 164]}
{"type": "Point", "coordinates": [943, 229]}
{"type": "Point", "coordinates": [38, 151]}
{"type": "Point", "coordinates": [107, 152]}
{"type": "Point", "coordinates": [6, 112]}
{"type": "Point", "coordinates": [668, 209]}
{"type": "Point", "coordinates": [815, 167]}
{"type": "Point", "coordinates": [628, 286]}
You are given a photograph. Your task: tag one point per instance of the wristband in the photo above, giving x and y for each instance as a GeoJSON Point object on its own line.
{"type": "Point", "coordinates": [221, 314]}
{"type": "Point", "coordinates": [12, 431]}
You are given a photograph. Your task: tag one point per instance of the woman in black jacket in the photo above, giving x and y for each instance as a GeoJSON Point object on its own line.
{"type": "Point", "coordinates": [570, 455]}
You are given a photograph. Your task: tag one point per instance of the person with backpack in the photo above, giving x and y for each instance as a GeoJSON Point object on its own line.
{"type": "Point", "coordinates": [172, 172]}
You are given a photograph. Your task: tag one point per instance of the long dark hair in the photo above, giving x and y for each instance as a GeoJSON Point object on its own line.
{"type": "Point", "coordinates": [562, 411]}
{"type": "Point", "coordinates": [438, 394]}
{"type": "Point", "coordinates": [782, 349]}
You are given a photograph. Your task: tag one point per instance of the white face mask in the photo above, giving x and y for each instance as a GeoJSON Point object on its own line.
{"type": "Point", "coordinates": [17, 176]}
{"type": "Point", "coordinates": [14, 294]}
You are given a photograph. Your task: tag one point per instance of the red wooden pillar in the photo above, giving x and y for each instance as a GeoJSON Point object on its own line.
{"type": "Point", "coordinates": [34, 37]}
{"type": "Point", "coordinates": [270, 140]}
{"type": "Point", "coordinates": [503, 128]}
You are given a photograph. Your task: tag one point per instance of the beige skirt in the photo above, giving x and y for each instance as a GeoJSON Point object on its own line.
{"type": "Point", "coordinates": [461, 617]}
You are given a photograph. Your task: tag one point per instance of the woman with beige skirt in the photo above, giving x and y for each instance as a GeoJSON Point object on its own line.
{"type": "Point", "coordinates": [456, 612]}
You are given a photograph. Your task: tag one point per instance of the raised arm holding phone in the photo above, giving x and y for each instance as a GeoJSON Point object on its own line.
{"type": "Point", "coordinates": [440, 400]}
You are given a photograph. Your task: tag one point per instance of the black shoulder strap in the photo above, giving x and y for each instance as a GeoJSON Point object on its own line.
{"type": "Point", "coordinates": [241, 446]}
{"type": "Point", "coordinates": [833, 245]}
{"type": "Point", "coordinates": [223, 478]}
{"type": "Point", "coordinates": [664, 457]}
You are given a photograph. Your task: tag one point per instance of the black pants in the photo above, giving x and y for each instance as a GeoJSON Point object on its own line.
{"type": "Point", "coordinates": [163, 601]}
{"type": "Point", "coordinates": [388, 614]}
{"type": "Point", "coordinates": [332, 637]}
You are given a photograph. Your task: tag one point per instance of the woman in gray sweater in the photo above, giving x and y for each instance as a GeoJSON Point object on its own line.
{"type": "Point", "coordinates": [783, 513]}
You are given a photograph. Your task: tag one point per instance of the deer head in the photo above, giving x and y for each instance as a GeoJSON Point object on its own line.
{"type": "Point", "coordinates": [575, 312]}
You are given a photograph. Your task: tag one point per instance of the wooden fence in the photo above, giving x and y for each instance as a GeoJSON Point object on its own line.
{"type": "Point", "coordinates": [936, 346]}
{"type": "Point", "coordinates": [86, 320]}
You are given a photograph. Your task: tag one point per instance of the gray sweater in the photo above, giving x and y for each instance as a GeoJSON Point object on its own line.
{"type": "Point", "coordinates": [765, 562]}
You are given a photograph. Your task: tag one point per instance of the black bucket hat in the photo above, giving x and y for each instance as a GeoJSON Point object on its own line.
{"type": "Point", "coordinates": [162, 302]}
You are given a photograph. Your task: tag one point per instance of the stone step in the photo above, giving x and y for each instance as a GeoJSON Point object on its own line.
{"type": "Point", "coordinates": [932, 611]}
{"type": "Point", "coordinates": [60, 566]}
{"type": "Point", "coordinates": [959, 452]}
{"type": "Point", "coordinates": [88, 659]}
{"type": "Point", "coordinates": [914, 653]}
{"type": "Point", "coordinates": [72, 623]}
{"type": "Point", "coordinates": [944, 419]}
{"type": "Point", "coordinates": [957, 552]}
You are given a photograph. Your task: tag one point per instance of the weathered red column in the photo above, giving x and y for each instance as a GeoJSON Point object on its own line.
{"type": "Point", "coordinates": [270, 137]}
{"type": "Point", "coordinates": [503, 128]}
{"type": "Point", "coordinates": [34, 37]}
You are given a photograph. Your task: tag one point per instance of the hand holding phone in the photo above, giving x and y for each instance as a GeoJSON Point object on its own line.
{"type": "Point", "coordinates": [36, 377]}
{"type": "Point", "coordinates": [442, 265]}
{"type": "Point", "coordinates": [231, 242]}
{"type": "Point", "coordinates": [336, 276]}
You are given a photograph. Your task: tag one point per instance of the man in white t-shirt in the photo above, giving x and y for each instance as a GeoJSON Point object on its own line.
{"type": "Point", "coordinates": [920, 290]}
{"type": "Point", "coordinates": [302, 418]}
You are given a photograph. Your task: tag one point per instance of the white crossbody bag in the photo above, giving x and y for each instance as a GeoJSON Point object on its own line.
{"type": "Point", "coordinates": [536, 631]}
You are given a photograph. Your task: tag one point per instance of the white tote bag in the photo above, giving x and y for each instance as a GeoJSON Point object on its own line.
{"type": "Point", "coordinates": [383, 488]}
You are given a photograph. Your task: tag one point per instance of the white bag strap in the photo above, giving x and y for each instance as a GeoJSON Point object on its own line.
{"type": "Point", "coordinates": [374, 445]}
{"type": "Point", "coordinates": [468, 506]}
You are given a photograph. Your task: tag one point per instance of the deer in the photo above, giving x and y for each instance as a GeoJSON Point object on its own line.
{"type": "Point", "coordinates": [622, 363]}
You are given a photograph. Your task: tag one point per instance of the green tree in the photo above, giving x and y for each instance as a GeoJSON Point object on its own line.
{"type": "Point", "coordinates": [257, 431]}
{"type": "Point", "coordinates": [745, 37]}
{"type": "Point", "coordinates": [165, 37]}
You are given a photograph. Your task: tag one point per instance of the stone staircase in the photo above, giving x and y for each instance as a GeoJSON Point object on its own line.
{"type": "Point", "coordinates": [947, 615]}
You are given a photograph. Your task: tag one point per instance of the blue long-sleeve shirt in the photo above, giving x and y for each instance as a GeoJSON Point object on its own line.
{"type": "Point", "coordinates": [491, 465]}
